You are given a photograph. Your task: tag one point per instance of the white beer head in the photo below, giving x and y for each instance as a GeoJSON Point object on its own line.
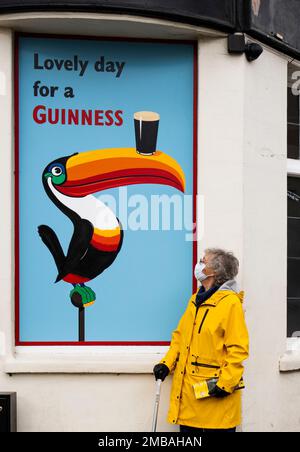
{"type": "Point", "coordinates": [146, 116]}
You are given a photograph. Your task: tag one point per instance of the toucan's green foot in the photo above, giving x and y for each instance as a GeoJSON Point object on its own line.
{"type": "Point", "coordinates": [82, 296]}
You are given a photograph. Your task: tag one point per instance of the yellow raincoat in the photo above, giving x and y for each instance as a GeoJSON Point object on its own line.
{"type": "Point", "coordinates": [210, 343]}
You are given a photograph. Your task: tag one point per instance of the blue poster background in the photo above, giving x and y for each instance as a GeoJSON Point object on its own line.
{"type": "Point", "coordinates": [143, 294]}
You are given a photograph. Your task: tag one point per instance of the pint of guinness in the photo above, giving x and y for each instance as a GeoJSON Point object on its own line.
{"type": "Point", "coordinates": [146, 128]}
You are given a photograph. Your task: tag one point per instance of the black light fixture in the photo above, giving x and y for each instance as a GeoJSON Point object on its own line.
{"type": "Point", "coordinates": [253, 51]}
{"type": "Point", "coordinates": [238, 45]}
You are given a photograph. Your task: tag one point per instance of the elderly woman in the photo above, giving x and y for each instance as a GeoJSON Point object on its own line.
{"type": "Point", "coordinates": [210, 342]}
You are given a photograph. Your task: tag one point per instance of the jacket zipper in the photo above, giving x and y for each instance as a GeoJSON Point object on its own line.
{"type": "Point", "coordinates": [201, 324]}
{"type": "Point", "coordinates": [205, 365]}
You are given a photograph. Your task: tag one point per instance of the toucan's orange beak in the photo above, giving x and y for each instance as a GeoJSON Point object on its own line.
{"type": "Point", "coordinates": [92, 171]}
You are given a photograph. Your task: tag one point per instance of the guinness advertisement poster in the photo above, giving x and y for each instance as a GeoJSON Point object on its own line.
{"type": "Point", "coordinates": [105, 189]}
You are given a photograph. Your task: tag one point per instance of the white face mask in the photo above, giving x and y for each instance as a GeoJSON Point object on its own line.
{"type": "Point", "coordinates": [198, 272]}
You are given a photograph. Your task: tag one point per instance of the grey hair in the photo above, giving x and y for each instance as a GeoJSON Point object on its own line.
{"type": "Point", "coordinates": [224, 264]}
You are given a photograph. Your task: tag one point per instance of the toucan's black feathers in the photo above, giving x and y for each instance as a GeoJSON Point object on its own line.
{"type": "Point", "coordinates": [83, 232]}
{"type": "Point", "coordinates": [51, 241]}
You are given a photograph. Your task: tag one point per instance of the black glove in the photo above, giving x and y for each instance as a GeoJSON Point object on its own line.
{"type": "Point", "coordinates": [218, 392]}
{"type": "Point", "coordinates": [160, 371]}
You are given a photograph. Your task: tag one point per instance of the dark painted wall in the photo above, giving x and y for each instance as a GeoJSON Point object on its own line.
{"type": "Point", "coordinates": [220, 12]}
{"type": "Point", "coordinates": [278, 16]}
{"type": "Point", "coordinates": [262, 19]}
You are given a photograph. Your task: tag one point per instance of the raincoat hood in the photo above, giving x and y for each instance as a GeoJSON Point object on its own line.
{"type": "Point", "coordinates": [232, 285]}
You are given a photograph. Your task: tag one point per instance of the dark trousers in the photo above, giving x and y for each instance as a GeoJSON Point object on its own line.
{"type": "Point", "coordinates": [186, 429]}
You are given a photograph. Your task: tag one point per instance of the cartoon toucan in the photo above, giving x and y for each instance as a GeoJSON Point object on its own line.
{"type": "Point", "coordinates": [97, 238]}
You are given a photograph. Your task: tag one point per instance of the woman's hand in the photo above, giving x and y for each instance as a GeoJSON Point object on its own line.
{"type": "Point", "coordinates": [218, 392]}
{"type": "Point", "coordinates": [161, 371]}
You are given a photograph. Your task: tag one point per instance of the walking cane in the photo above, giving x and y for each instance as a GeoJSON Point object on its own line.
{"type": "Point", "coordinates": [156, 405]}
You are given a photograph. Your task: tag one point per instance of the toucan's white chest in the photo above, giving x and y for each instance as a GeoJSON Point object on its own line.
{"type": "Point", "coordinates": [89, 208]}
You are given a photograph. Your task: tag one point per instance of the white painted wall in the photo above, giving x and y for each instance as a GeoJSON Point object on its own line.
{"type": "Point", "coordinates": [242, 175]}
{"type": "Point", "coordinates": [270, 402]}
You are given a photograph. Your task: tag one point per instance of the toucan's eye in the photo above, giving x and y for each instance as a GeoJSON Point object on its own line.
{"type": "Point", "coordinates": [56, 171]}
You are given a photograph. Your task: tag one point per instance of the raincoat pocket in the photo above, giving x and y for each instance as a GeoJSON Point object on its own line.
{"type": "Point", "coordinates": [203, 371]}
{"type": "Point", "coordinates": [203, 378]}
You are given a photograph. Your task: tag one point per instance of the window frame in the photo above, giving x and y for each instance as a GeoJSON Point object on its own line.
{"type": "Point", "coordinates": [293, 170]}
{"type": "Point", "coordinates": [99, 345]}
